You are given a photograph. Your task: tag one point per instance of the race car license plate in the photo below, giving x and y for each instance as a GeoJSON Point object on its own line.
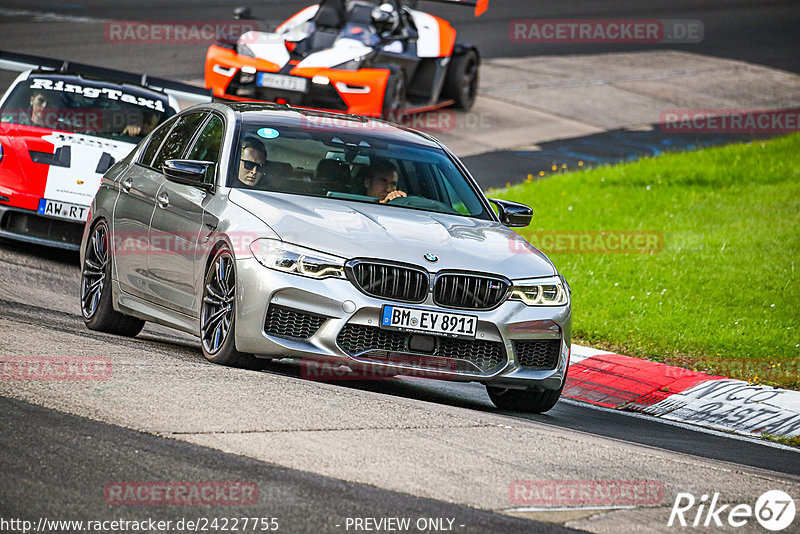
{"type": "Point", "coordinates": [428, 322]}
{"type": "Point", "coordinates": [279, 81]}
{"type": "Point", "coordinates": [63, 210]}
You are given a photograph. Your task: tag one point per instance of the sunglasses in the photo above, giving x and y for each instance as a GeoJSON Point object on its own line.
{"type": "Point", "coordinates": [248, 165]}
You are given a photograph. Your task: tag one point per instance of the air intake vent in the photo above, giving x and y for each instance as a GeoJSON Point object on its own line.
{"type": "Point", "coordinates": [476, 292]}
{"type": "Point", "coordinates": [395, 282]}
{"type": "Point", "coordinates": [459, 355]}
{"type": "Point", "coordinates": [292, 324]}
{"type": "Point", "coordinates": [537, 354]}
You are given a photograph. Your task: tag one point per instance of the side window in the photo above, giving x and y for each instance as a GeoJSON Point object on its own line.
{"type": "Point", "coordinates": [155, 142]}
{"type": "Point", "coordinates": [207, 145]}
{"type": "Point", "coordinates": [175, 143]}
{"type": "Point", "coordinates": [453, 199]}
{"type": "Point", "coordinates": [461, 197]}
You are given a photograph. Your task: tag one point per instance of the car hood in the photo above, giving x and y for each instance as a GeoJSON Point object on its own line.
{"type": "Point", "coordinates": [362, 230]}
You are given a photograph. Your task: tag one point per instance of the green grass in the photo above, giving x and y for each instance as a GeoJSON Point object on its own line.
{"type": "Point", "coordinates": [795, 441]}
{"type": "Point", "coordinates": [724, 293]}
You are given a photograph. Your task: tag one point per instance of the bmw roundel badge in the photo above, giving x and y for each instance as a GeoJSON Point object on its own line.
{"type": "Point", "coordinates": [433, 258]}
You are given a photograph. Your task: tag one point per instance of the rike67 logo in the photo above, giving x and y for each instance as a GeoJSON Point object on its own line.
{"type": "Point", "coordinates": [774, 510]}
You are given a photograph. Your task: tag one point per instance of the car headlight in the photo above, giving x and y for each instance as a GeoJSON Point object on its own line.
{"type": "Point", "coordinates": [293, 259]}
{"type": "Point", "coordinates": [550, 292]}
{"type": "Point", "coordinates": [247, 75]}
{"type": "Point", "coordinates": [566, 284]}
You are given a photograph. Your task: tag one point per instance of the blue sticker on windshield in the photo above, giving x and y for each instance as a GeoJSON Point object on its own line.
{"type": "Point", "coordinates": [268, 133]}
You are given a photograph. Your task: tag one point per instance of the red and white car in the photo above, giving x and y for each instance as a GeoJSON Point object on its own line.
{"type": "Point", "coordinates": [62, 126]}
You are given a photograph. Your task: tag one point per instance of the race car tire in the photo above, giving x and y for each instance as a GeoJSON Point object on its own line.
{"type": "Point", "coordinates": [218, 313]}
{"type": "Point", "coordinates": [525, 400]}
{"type": "Point", "coordinates": [394, 99]}
{"type": "Point", "coordinates": [96, 306]}
{"type": "Point", "coordinates": [461, 82]}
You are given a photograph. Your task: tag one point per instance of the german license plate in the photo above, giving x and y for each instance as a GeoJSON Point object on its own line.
{"type": "Point", "coordinates": [428, 322]}
{"type": "Point", "coordinates": [63, 210]}
{"type": "Point", "coordinates": [279, 81]}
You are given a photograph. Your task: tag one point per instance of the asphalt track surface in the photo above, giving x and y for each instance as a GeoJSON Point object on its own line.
{"type": "Point", "coordinates": [56, 466]}
{"type": "Point", "coordinates": [54, 462]}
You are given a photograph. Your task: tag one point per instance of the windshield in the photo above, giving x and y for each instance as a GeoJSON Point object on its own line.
{"type": "Point", "coordinates": [352, 167]}
{"type": "Point", "coordinates": [80, 106]}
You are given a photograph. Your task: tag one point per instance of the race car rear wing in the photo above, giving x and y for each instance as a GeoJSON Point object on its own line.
{"type": "Point", "coordinates": [480, 5]}
{"type": "Point", "coordinates": [181, 91]}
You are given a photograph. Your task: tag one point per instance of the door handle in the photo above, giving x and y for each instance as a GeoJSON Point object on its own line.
{"type": "Point", "coordinates": [126, 183]}
{"type": "Point", "coordinates": [163, 199]}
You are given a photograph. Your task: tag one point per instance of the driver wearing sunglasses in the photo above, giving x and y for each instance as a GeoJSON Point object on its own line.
{"type": "Point", "coordinates": [253, 163]}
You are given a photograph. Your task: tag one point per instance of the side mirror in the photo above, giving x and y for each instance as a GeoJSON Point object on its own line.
{"type": "Point", "coordinates": [513, 214]}
{"type": "Point", "coordinates": [188, 172]}
{"type": "Point", "coordinates": [242, 13]}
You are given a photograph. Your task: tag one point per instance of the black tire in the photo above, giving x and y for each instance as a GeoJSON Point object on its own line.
{"type": "Point", "coordinates": [394, 99]}
{"type": "Point", "coordinates": [461, 82]}
{"type": "Point", "coordinates": [525, 400]}
{"type": "Point", "coordinates": [218, 313]}
{"type": "Point", "coordinates": [96, 306]}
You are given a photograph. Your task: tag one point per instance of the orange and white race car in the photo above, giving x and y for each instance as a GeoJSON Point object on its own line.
{"type": "Point", "coordinates": [380, 59]}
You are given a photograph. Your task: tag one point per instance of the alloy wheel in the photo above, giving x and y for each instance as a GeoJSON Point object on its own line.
{"type": "Point", "coordinates": [217, 316]}
{"type": "Point", "coordinates": [93, 277]}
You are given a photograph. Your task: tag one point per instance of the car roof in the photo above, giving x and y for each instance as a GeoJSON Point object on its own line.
{"type": "Point", "coordinates": [288, 116]}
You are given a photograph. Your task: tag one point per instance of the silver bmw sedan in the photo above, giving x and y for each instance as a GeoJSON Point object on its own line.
{"type": "Point", "coordinates": [276, 232]}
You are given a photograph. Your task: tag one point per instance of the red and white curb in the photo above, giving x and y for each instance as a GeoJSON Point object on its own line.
{"type": "Point", "coordinates": [616, 381]}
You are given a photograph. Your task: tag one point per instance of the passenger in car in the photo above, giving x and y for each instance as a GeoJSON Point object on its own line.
{"type": "Point", "coordinates": [380, 181]}
{"type": "Point", "coordinates": [141, 125]}
{"type": "Point", "coordinates": [42, 103]}
{"type": "Point", "coordinates": [253, 163]}
{"type": "Point", "coordinates": [332, 175]}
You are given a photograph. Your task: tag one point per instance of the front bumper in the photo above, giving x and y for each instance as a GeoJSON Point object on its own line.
{"type": "Point", "coordinates": [30, 227]}
{"type": "Point", "coordinates": [335, 304]}
{"type": "Point", "coordinates": [353, 91]}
